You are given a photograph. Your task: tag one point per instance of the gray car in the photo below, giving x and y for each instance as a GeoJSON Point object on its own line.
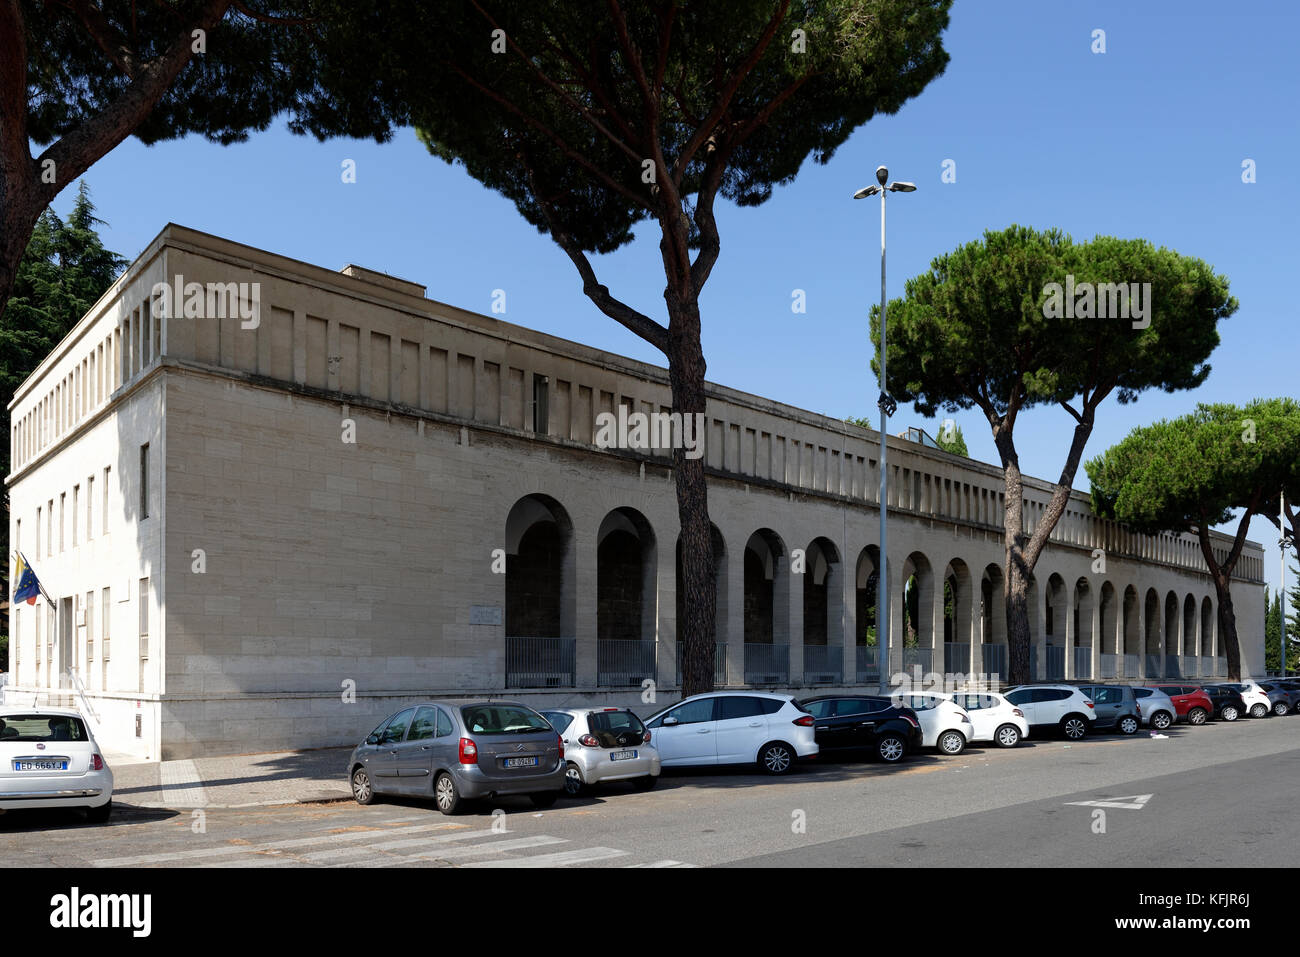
{"type": "Point", "coordinates": [1117, 707]}
{"type": "Point", "coordinates": [604, 744]}
{"type": "Point", "coordinates": [1283, 699]}
{"type": "Point", "coordinates": [456, 753]}
{"type": "Point", "coordinates": [1158, 710]}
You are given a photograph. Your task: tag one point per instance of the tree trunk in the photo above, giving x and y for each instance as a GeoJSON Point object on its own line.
{"type": "Point", "coordinates": [697, 630]}
{"type": "Point", "coordinates": [1015, 584]}
{"type": "Point", "coordinates": [1228, 626]}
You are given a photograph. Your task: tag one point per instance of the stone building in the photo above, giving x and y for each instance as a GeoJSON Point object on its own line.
{"type": "Point", "coordinates": [273, 502]}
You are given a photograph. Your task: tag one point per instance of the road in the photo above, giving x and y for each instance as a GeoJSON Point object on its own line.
{"type": "Point", "coordinates": [1219, 795]}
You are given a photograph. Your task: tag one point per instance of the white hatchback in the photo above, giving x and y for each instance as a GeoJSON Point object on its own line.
{"type": "Point", "coordinates": [944, 725]}
{"type": "Point", "coordinates": [49, 758]}
{"type": "Point", "coordinates": [734, 727]}
{"type": "Point", "coordinates": [995, 718]}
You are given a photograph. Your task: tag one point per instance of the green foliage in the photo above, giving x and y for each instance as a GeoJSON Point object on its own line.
{"type": "Point", "coordinates": [1195, 471]}
{"type": "Point", "coordinates": [1272, 631]}
{"type": "Point", "coordinates": [973, 331]}
{"type": "Point", "coordinates": [956, 445]}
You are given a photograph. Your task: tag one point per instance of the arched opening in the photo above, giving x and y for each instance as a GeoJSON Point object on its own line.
{"type": "Point", "coordinates": [1173, 639]}
{"type": "Point", "coordinates": [1055, 627]}
{"type": "Point", "coordinates": [993, 622]}
{"type": "Point", "coordinates": [957, 620]}
{"type": "Point", "coordinates": [767, 590]}
{"type": "Point", "coordinates": [1112, 652]}
{"type": "Point", "coordinates": [1191, 639]}
{"type": "Point", "coordinates": [625, 599]}
{"type": "Point", "coordinates": [918, 613]}
{"type": "Point", "coordinates": [1084, 600]}
{"type": "Point", "coordinates": [823, 613]}
{"type": "Point", "coordinates": [720, 608]}
{"type": "Point", "coordinates": [1153, 639]}
{"type": "Point", "coordinates": [1132, 634]}
{"type": "Point", "coordinates": [540, 615]}
{"type": "Point", "coordinates": [866, 593]}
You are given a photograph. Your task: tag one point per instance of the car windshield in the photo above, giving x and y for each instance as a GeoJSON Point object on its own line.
{"type": "Point", "coordinates": [42, 727]}
{"type": "Point", "coordinates": [502, 719]}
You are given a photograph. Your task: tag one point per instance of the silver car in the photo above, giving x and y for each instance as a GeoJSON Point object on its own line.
{"type": "Point", "coordinates": [604, 744]}
{"type": "Point", "coordinates": [1158, 709]}
{"type": "Point", "coordinates": [456, 753]}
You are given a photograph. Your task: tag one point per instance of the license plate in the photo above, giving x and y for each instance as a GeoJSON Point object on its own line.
{"type": "Point", "coordinates": [622, 755]}
{"type": "Point", "coordinates": [40, 765]}
{"type": "Point", "coordinates": [521, 762]}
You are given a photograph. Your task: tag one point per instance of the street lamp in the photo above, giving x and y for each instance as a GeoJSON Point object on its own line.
{"type": "Point", "coordinates": [887, 407]}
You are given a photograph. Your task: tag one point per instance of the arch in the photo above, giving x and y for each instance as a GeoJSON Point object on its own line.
{"type": "Point", "coordinates": [1132, 616]}
{"type": "Point", "coordinates": [1173, 638]}
{"type": "Point", "coordinates": [1153, 641]}
{"type": "Point", "coordinates": [823, 611]}
{"type": "Point", "coordinates": [1209, 636]}
{"type": "Point", "coordinates": [1110, 633]}
{"type": "Point", "coordinates": [1191, 637]}
{"type": "Point", "coordinates": [1082, 609]}
{"type": "Point", "coordinates": [625, 577]}
{"type": "Point", "coordinates": [917, 607]}
{"type": "Point", "coordinates": [958, 623]}
{"type": "Point", "coordinates": [766, 591]}
{"type": "Point", "coordinates": [540, 594]}
{"type": "Point", "coordinates": [1057, 605]}
{"type": "Point", "coordinates": [993, 621]}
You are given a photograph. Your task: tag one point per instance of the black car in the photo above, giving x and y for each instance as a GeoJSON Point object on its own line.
{"type": "Point", "coordinates": [864, 723]}
{"type": "Point", "coordinates": [1228, 704]}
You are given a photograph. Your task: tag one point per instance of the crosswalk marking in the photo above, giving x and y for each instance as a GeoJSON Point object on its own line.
{"type": "Point", "coordinates": [666, 863]}
{"type": "Point", "coordinates": [560, 859]}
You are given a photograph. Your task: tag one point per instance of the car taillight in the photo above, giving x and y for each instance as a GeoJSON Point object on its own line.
{"type": "Point", "coordinates": [468, 751]}
{"type": "Point", "coordinates": [559, 741]}
{"type": "Point", "coordinates": [589, 741]}
{"type": "Point", "coordinates": [96, 763]}
{"type": "Point", "coordinates": [912, 721]}
{"type": "Point", "coordinates": [805, 721]}
{"type": "Point", "coordinates": [646, 739]}
{"type": "Point", "coordinates": [1017, 712]}
{"type": "Point", "coordinates": [1139, 707]}
{"type": "Point", "coordinates": [1090, 704]}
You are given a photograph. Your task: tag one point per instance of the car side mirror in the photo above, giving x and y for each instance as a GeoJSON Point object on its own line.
{"type": "Point", "coordinates": [669, 722]}
{"type": "Point", "coordinates": [372, 739]}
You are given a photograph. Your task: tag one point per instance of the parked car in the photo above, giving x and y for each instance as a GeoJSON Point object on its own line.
{"type": "Point", "coordinates": [50, 759]}
{"type": "Point", "coordinates": [1116, 707]}
{"type": "Point", "coordinates": [1157, 708]}
{"type": "Point", "coordinates": [1191, 703]}
{"type": "Point", "coordinates": [1055, 707]}
{"type": "Point", "coordinates": [1284, 698]}
{"type": "Point", "coordinates": [1228, 704]}
{"type": "Point", "coordinates": [864, 723]}
{"type": "Point", "coordinates": [604, 744]}
{"type": "Point", "coordinates": [735, 727]}
{"type": "Point", "coordinates": [993, 717]}
{"type": "Point", "coordinates": [1258, 704]}
{"type": "Point", "coordinates": [944, 725]}
{"type": "Point", "coordinates": [459, 753]}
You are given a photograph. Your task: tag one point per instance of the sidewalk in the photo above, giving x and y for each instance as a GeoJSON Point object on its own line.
{"type": "Point", "coordinates": [240, 780]}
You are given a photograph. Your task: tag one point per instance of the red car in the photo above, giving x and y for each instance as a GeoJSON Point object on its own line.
{"type": "Point", "coordinates": [1190, 701]}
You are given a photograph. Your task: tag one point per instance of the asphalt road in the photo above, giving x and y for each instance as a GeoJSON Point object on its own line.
{"type": "Point", "coordinates": [1218, 795]}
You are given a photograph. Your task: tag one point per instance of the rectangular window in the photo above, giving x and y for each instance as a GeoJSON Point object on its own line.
{"type": "Point", "coordinates": [541, 396]}
{"type": "Point", "coordinates": [104, 510]}
{"type": "Point", "coordinates": [90, 626]}
{"type": "Point", "coordinates": [106, 618]}
{"type": "Point", "coordinates": [144, 618]}
{"type": "Point", "coordinates": [38, 531]}
{"type": "Point", "coordinates": [90, 507]}
{"type": "Point", "coordinates": [63, 497]}
{"type": "Point", "coordinates": [49, 527]}
{"type": "Point", "coordinates": [76, 506]}
{"type": "Point", "coordinates": [144, 481]}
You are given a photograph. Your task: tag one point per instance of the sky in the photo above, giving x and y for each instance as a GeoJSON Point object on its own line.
{"type": "Point", "coordinates": [1146, 139]}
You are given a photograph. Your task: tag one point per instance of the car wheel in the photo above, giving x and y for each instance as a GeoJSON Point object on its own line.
{"type": "Point", "coordinates": [573, 783]}
{"type": "Point", "coordinates": [363, 791]}
{"type": "Point", "coordinates": [1007, 736]}
{"type": "Point", "coordinates": [646, 783]}
{"type": "Point", "coordinates": [1161, 720]}
{"type": "Point", "coordinates": [1229, 713]}
{"type": "Point", "coordinates": [544, 798]}
{"type": "Point", "coordinates": [1280, 708]}
{"type": "Point", "coordinates": [1196, 716]}
{"type": "Point", "coordinates": [952, 742]}
{"type": "Point", "coordinates": [1258, 711]}
{"type": "Point", "coordinates": [1074, 726]}
{"type": "Point", "coordinates": [776, 758]}
{"type": "Point", "coordinates": [1129, 724]}
{"type": "Point", "coordinates": [891, 748]}
{"type": "Point", "coordinates": [446, 795]}
{"type": "Point", "coordinates": [99, 815]}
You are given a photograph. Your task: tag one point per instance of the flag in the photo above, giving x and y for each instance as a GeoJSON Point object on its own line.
{"type": "Point", "coordinates": [29, 586]}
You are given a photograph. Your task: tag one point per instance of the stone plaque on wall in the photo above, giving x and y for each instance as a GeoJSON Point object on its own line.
{"type": "Point", "coordinates": [485, 614]}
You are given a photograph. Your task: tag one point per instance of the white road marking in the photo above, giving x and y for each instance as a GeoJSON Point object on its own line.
{"type": "Point", "coordinates": [666, 863]}
{"type": "Point", "coordinates": [560, 859]}
{"type": "Point", "coordinates": [1133, 802]}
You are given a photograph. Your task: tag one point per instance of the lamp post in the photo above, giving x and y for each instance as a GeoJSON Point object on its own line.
{"type": "Point", "coordinates": [887, 408]}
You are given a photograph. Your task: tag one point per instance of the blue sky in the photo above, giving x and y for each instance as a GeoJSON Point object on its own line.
{"type": "Point", "coordinates": [1144, 140]}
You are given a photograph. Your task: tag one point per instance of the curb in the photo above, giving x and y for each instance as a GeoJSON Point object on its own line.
{"type": "Point", "coordinates": [325, 797]}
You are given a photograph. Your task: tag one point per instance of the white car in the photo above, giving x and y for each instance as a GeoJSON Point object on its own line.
{"type": "Point", "coordinates": [1055, 707]}
{"type": "Point", "coordinates": [944, 725]}
{"type": "Point", "coordinates": [49, 758]}
{"type": "Point", "coordinates": [995, 718]}
{"type": "Point", "coordinates": [1258, 703]}
{"type": "Point", "coordinates": [734, 727]}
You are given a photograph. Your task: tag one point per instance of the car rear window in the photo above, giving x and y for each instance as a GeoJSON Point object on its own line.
{"type": "Point", "coordinates": [607, 726]}
{"type": "Point", "coordinates": [1142, 692]}
{"type": "Point", "coordinates": [42, 727]}
{"type": "Point", "coordinates": [559, 720]}
{"type": "Point", "coordinates": [502, 719]}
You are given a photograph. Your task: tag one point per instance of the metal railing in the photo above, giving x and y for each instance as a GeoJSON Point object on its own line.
{"type": "Point", "coordinates": [719, 662]}
{"type": "Point", "coordinates": [624, 663]}
{"type": "Point", "coordinates": [1055, 655]}
{"type": "Point", "coordinates": [1173, 666]}
{"type": "Point", "coordinates": [823, 664]}
{"type": "Point", "coordinates": [541, 662]}
{"type": "Point", "coordinates": [1206, 667]}
{"type": "Point", "coordinates": [917, 656]}
{"type": "Point", "coordinates": [1132, 666]}
{"type": "Point", "coordinates": [766, 664]}
{"type": "Point", "coordinates": [1221, 667]}
{"type": "Point", "coordinates": [995, 659]}
{"type": "Point", "coordinates": [1189, 666]}
{"type": "Point", "coordinates": [1083, 663]}
{"type": "Point", "coordinates": [1154, 667]}
{"type": "Point", "coordinates": [868, 664]}
{"type": "Point", "coordinates": [956, 657]}
{"type": "Point", "coordinates": [1110, 665]}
